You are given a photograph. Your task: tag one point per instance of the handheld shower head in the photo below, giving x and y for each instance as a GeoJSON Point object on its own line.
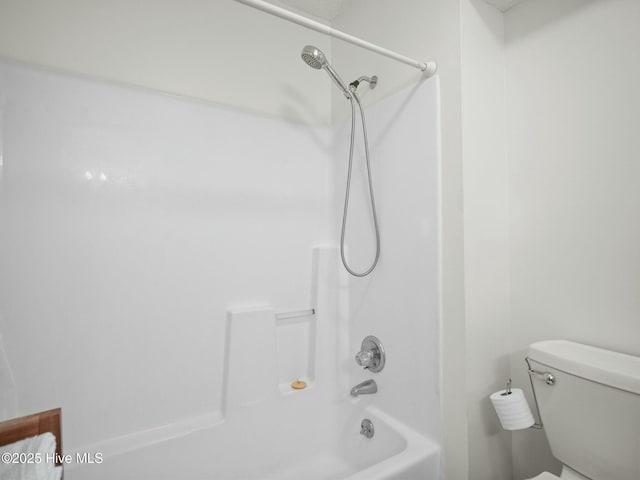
{"type": "Point", "coordinates": [314, 57]}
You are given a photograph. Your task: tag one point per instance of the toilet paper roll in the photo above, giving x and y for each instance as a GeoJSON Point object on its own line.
{"type": "Point", "coordinates": [513, 410]}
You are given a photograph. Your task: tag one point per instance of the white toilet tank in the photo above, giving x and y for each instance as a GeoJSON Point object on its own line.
{"type": "Point", "coordinates": [591, 415]}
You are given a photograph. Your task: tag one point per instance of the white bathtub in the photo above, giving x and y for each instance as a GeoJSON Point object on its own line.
{"type": "Point", "coordinates": [287, 442]}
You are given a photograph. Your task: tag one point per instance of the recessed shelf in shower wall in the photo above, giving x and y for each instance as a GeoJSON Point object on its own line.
{"type": "Point", "coordinates": [295, 337]}
{"type": "Point", "coordinates": [266, 351]}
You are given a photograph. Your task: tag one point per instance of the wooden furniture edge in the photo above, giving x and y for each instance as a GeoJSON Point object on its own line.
{"type": "Point", "coordinates": [18, 429]}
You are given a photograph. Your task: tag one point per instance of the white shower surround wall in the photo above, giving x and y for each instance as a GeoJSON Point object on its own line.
{"type": "Point", "coordinates": [399, 302]}
{"type": "Point", "coordinates": [132, 221]}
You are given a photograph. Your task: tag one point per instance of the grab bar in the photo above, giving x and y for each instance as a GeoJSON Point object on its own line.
{"type": "Point", "coordinates": [295, 314]}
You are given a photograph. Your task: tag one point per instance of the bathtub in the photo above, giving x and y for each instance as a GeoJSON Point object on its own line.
{"type": "Point", "coordinates": [271, 442]}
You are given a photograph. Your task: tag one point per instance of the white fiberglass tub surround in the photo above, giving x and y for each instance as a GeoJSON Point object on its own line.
{"type": "Point", "coordinates": [281, 443]}
{"type": "Point", "coordinates": [146, 247]}
{"type": "Point", "coordinates": [266, 430]}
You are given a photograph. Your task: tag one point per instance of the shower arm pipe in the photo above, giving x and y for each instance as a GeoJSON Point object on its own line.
{"type": "Point", "coordinates": [429, 68]}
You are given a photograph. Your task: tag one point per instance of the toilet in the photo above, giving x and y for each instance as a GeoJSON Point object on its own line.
{"type": "Point", "coordinates": [590, 409]}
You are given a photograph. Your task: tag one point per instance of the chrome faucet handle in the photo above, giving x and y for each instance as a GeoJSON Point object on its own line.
{"type": "Point", "coordinates": [371, 355]}
{"type": "Point", "coordinates": [364, 358]}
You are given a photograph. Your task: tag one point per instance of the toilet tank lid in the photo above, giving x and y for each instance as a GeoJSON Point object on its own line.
{"type": "Point", "coordinates": [596, 364]}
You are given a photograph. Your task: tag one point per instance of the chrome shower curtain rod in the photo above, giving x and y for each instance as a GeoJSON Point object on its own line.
{"type": "Point", "coordinates": [429, 68]}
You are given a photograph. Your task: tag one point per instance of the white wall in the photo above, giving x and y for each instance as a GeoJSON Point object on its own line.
{"type": "Point", "coordinates": [131, 221]}
{"type": "Point", "coordinates": [486, 236]}
{"type": "Point", "coordinates": [208, 50]}
{"type": "Point", "coordinates": [573, 70]}
{"type": "Point", "coordinates": [219, 51]}
{"type": "Point", "coordinates": [398, 303]}
{"type": "Point", "coordinates": [431, 31]}
{"type": "Point", "coordinates": [466, 40]}
{"type": "Point", "coordinates": [164, 244]}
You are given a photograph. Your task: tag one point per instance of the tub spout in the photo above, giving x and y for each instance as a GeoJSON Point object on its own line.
{"type": "Point", "coordinates": [365, 388]}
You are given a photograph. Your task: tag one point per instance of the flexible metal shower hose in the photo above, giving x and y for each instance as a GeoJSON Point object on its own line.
{"type": "Point", "coordinates": [348, 190]}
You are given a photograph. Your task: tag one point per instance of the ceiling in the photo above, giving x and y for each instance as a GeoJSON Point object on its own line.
{"type": "Point", "coordinates": [329, 9]}
{"type": "Point", "coordinates": [326, 9]}
{"type": "Point", "coordinates": [503, 5]}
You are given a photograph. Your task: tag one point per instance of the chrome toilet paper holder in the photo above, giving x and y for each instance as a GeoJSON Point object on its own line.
{"type": "Point", "coordinates": [546, 377]}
